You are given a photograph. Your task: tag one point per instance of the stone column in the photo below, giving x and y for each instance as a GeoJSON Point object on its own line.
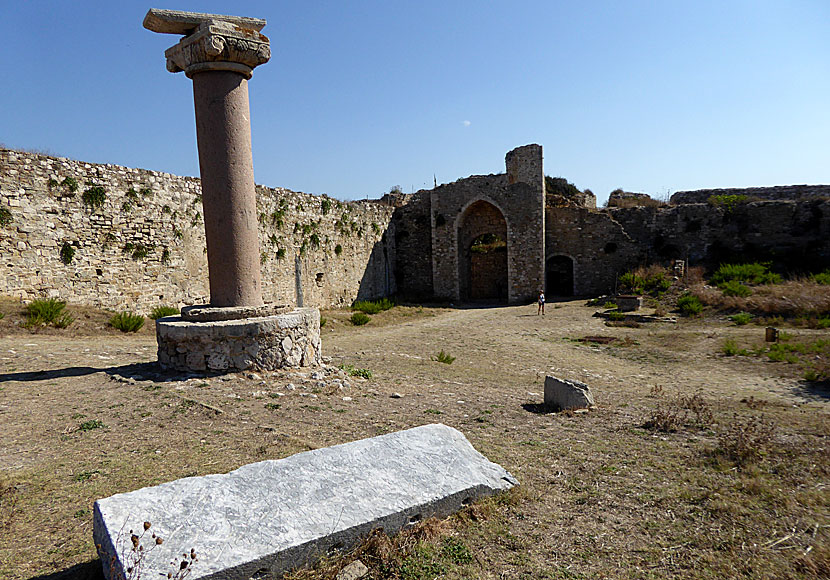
{"type": "Point", "coordinates": [219, 54]}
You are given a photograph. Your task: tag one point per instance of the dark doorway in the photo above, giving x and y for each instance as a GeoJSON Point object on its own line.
{"type": "Point", "coordinates": [560, 276]}
{"type": "Point", "coordinates": [482, 252]}
{"type": "Point", "coordinates": [488, 268]}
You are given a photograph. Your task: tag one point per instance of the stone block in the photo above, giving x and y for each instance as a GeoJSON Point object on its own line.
{"type": "Point", "coordinates": [564, 394]}
{"type": "Point", "coordinates": [271, 516]}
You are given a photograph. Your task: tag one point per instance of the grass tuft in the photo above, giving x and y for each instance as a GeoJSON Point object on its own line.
{"type": "Point", "coordinates": [162, 311]}
{"type": "Point", "coordinates": [127, 321]}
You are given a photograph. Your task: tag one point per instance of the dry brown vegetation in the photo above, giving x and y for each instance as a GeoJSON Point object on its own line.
{"type": "Point", "coordinates": [791, 299]}
{"type": "Point", "coordinates": [735, 486]}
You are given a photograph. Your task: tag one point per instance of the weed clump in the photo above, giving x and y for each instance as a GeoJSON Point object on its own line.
{"type": "Point", "coordinates": [744, 442]}
{"type": "Point", "coordinates": [352, 371]}
{"type": "Point", "coordinates": [735, 288]}
{"type": "Point", "coordinates": [741, 318]}
{"type": "Point", "coordinates": [443, 357]}
{"type": "Point", "coordinates": [127, 321]}
{"type": "Point", "coordinates": [67, 253]}
{"type": "Point", "coordinates": [359, 319]}
{"type": "Point", "coordinates": [162, 311]}
{"type": "Point", "coordinates": [94, 197]}
{"type": "Point", "coordinates": [5, 216]}
{"type": "Point", "coordinates": [684, 410]}
{"type": "Point", "coordinates": [373, 306]}
{"type": "Point", "coordinates": [689, 305]}
{"type": "Point", "coordinates": [754, 273]}
{"type": "Point", "coordinates": [46, 312]}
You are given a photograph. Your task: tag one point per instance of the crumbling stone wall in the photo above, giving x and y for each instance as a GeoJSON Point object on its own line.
{"type": "Point", "coordinates": [413, 246]}
{"type": "Point", "coordinates": [778, 192]}
{"type": "Point", "coordinates": [144, 245]}
{"type": "Point", "coordinates": [795, 235]}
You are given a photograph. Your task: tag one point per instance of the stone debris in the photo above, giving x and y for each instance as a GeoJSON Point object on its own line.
{"type": "Point", "coordinates": [564, 394]}
{"type": "Point", "coordinates": [353, 571]}
{"type": "Point", "coordinates": [275, 515]}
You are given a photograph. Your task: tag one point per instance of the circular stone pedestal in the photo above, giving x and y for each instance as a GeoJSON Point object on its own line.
{"type": "Point", "coordinates": [266, 342]}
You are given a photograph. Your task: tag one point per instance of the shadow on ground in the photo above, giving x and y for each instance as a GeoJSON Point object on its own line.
{"type": "Point", "coordinates": [87, 571]}
{"type": "Point", "coordinates": [812, 390]}
{"type": "Point", "coordinates": [146, 371]}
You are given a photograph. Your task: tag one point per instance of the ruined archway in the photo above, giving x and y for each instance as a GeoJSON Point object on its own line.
{"type": "Point", "coordinates": [482, 249]}
{"type": "Point", "coordinates": [559, 276]}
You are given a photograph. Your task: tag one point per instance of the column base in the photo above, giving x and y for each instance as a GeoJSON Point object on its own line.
{"type": "Point", "coordinates": [286, 340]}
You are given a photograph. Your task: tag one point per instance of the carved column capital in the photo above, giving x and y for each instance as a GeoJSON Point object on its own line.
{"type": "Point", "coordinates": [219, 45]}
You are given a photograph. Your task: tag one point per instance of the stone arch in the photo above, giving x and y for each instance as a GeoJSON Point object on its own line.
{"type": "Point", "coordinates": [559, 275]}
{"type": "Point", "coordinates": [482, 234]}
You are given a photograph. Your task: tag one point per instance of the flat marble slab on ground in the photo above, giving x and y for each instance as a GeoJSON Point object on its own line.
{"type": "Point", "coordinates": [275, 515]}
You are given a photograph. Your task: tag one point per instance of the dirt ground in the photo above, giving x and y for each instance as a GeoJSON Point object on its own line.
{"type": "Point", "coordinates": [85, 413]}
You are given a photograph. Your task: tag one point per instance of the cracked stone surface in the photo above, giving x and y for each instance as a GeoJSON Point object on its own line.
{"type": "Point", "coordinates": [277, 514]}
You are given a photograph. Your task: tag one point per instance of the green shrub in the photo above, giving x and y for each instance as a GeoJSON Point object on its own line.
{"type": "Point", "coordinates": [338, 249]}
{"type": "Point", "coordinates": [94, 197]}
{"type": "Point", "coordinates": [67, 253]}
{"type": "Point", "coordinates": [325, 205]}
{"type": "Point", "coordinates": [727, 202]}
{"type": "Point", "coordinates": [359, 318]}
{"type": "Point", "coordinates": [631, 283]}
{"type": "Point", "coordinates": [443, 357]}
{"type": "Point", "coordinates": [730, 347]}
{"type": "Point", "coordinates": [2, 315]}
{"type": "Point", "coordinates": [49, 311]}
{"type": "Point", "coordinates": [822, 278]}
{"type": "Point", "coordinates": [657, 283]}
{"type": "Point", "coordinates": [735, 288]}
{"type": "Point", "coordinates": [373, 306]}
{"type": "Point", "coordinates": [610, 305]}
{"type": "Point", "coordinates": [162, 311]}
{"type": "Point", "coordinates": [5, 216]}
{"type": "Point", "coordinates": [356, 372]}
{"type": "Point", "coordinates": [280, 253]}
{"type": "Point", "coordinates": [689, 305]}
{"type": "Point", "coordinates": [741, 318]}
{"type": "Point", "coordinates": [616, 316]}
{"type": "Point", "coordinates": [323, 321]}
{"type": "Point", "coordinates": [127, 321]}
{"type": "Point", "coordinates": [70, 183]}
{"type": "Point", "coordinates": [755, 273]}
{"type": "Point", "coordinates": [91, 424]}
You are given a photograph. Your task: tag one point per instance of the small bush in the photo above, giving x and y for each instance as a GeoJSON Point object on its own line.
{"type": "Point", "coordinates": [127, 321]}
{"type": "Point", "coordinates": [822, 278]}
{"type": "Point", "coordinates": [443, 357]}
{"type": "Point", "coordinates": [356, 372]}
{"type": "Point", "coordinates": [67, 253]}
{"type": "Point", "coordinates": [727, 202]}
{"type": "Point", "coordinates": [280, 253]}
{"type": "Point", "coordinates": [50, 311]}
{"type": "Point", "coordinates": [323, 321]}
{"type": "Point", "coordinates": [94, 197]}
{"type": "Point", "coordinates": [741, 318]}
{"type": "Point", "coordinates": [730, 347]}
{"type": "Point", "coordinates": [338, 249]}
{"type": "Point", "coordinates": [745, 442]}
{"type": "Point", "coordinates": [325, 205]}
{"type": "Point", "coordinates": [91, 424]}
{"type": "Point", "coordinates": [359, 319]}
{"type": "Point", "coordinates": [70, 183]}
{"type": "Point", "coordinates": [5, 216]}
{"type": "Point", "coordinates": [615, 316]}
{"type": "Point", "coordinates": [755, 273]}
{"type": "Point", "coordinates": [373, 306]}
{"type": "Point", "coordinates": [689, 305]}
{"type": "Point", "coordinates": [735, 288]}
{"type": "Point", "coordinates": [610, 305]}
{"type": "Point", "coordinates": [162, 311]}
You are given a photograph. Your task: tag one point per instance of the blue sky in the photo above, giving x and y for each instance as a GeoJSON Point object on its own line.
{"type": "Point", "coordinates": [653, 96]}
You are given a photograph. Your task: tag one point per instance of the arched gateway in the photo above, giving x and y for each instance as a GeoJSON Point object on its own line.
{"type": "Point", "coordinates": [488, 233]}
{"type": "Point", "coordinates": [482, 251]}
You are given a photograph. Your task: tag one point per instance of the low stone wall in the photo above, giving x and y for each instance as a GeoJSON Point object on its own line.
{"type": "Point", "coordinates": [267, 343]}
{"type": "Point", "coordinates": [779, 192]}
{"type": "Point", "coordinates": [122, 238]}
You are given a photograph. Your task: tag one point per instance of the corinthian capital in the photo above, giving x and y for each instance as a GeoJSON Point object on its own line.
{"type": "Point", "coordinates": [212, 42]}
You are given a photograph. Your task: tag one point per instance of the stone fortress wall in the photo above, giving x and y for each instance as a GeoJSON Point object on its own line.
{"type": "Point", "coordinates": [145, 245]}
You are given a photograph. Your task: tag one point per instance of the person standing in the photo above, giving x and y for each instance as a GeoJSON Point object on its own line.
{"type": "Point", "coordinates": [541, 302]}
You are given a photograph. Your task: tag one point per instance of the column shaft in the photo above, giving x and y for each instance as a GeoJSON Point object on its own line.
{"type": "Point", "coordinates": [223, 133]}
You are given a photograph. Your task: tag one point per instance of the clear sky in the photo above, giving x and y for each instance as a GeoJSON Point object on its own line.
{"type": "Point", "coordinates": [359, 96]}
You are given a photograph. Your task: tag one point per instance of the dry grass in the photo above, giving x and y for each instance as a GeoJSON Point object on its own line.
{"type": "Point", "coordinates": [600, 496]}
{"type": "Point", "coordinates": [791, 299]}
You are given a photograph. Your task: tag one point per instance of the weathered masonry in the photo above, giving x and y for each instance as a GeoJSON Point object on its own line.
{"type": "Point", "coordinates": [129, 238]}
